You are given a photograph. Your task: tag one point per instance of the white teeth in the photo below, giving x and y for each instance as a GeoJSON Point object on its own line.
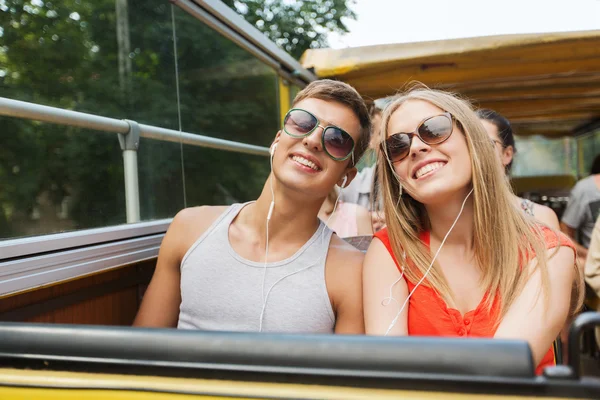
{"type": "Point", "coordinates": [305, 162]}
{"type": "Point", "coordinates": [428, 168]}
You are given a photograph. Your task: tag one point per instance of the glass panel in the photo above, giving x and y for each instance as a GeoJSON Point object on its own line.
{"type": "Point", "coordinates": [216, 177]}
{"type": "Point", "coordinates": [57, 178]}
{"type": "Point", "coordinates": [150, 87]}
{"type": "Point", "coordinates": [225, 91]}
{"type": "Point", "coordinates": [589, 146]}
{"type": "Point", "coordinates": [106, 57]}
{"type": "Point", "coordinates": [229, 94]}
{"type": "Point", "coordinates": [160, 179]}
{"type": "Point", "coordinates": [538, 156]}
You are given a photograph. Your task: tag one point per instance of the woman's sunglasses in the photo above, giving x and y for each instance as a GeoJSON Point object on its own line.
{"type": "Point", "coordinates": [433, 130]}
{"type": "Point", "coordinates": [337, 143]}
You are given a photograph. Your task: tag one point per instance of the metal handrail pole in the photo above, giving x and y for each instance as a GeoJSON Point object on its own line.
{"type": "Point", "coordinates": [170, 135]}
{"type": "Point", "coordinates": [37, 112]}
{"type": "Point", "coordinates": [54, 115]}
{"type": "Point", "coordinates": [130, 144]}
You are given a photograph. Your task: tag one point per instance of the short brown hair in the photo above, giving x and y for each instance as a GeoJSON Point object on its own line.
{"type": "Point", "coordinates": [330, 90]}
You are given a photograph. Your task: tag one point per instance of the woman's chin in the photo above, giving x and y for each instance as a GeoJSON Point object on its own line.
{"type": "Point", "coordinates": [439, 194]}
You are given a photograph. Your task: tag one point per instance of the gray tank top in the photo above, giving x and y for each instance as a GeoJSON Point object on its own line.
{"type": "Point", "coordinates": [220, 290]}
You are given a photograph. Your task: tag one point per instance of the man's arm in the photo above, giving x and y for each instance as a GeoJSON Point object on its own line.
{"type": "Point", "coordinates": [582, 252]}
{"type": "Point", "coordinates": [363, 221]}
{"type": "Point", "coordinates": [343, 276]}
{"type": "Point", "coordinates": [592, 264]}
{"type": "Point", "coordinates": [572, 218]}
{"type": "Point", "coordinates": [160, 306]}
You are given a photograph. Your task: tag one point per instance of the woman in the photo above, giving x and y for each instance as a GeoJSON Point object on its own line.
{"type": "Point", "coordinates": [500, 132]}
{"type": "Point", "coordinates": [348, 219]}
{"type": "Point", "coordinates": [457, 258]}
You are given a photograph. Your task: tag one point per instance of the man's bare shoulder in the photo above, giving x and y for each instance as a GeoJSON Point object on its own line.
{"type": "Point", "coordinates": [198, 216]}
{"type": "Point", "coordinates": [190, 223]}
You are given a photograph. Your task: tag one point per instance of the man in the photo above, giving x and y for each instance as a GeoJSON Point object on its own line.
{"type": "Point", "coordinates": [592, 273]}
{"type": "Point", "coordinates": [583, 209]}
{"type": "Point", "coordinates": [272, 265]}
{"type": "Point", "coordinates": [592, 264]}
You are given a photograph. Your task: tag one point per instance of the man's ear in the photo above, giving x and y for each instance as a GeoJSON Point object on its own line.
{"type": "Point", "coordinates": [350, 175]}
{"type": "Point", "coordinates": [277, 137]}
{"type": "Point", "coordinates": [274, 143]}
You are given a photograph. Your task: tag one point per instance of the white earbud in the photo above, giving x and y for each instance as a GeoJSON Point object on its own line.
{"type": "Point", "coordinates": [273, 148]}
{"type": "Point", "coordinates": [344, 181]}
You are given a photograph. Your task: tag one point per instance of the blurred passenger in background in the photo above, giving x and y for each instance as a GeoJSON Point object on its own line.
{"type": "Point", "coordinates": [583, 209]}
{"type": "Point", "coordinates": [361, 190]}
{"type": "Point", "coordinates": [592, 272]}
{"type": "Point", "coordinates": [500, 132]}
{"type": "Point", "coordinates": [348, 219]}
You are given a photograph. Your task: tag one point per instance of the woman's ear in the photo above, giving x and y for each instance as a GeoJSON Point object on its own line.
{"type": "Point", "coordinates": [507, 155]}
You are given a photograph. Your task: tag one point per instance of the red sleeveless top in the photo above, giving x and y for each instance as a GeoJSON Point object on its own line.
{"type": "Point", "coordinates": [428, 314]}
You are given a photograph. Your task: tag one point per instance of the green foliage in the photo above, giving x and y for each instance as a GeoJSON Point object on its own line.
{"type": "Point", "coordinates": [296, 25]}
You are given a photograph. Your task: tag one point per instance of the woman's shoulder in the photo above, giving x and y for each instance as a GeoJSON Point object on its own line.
{"type": "Point", "coordinates": [554, 238]}
{"type": "Point", "coordinates": [546, 215]}
{"type": "Point", "coordinates": [383, 235]}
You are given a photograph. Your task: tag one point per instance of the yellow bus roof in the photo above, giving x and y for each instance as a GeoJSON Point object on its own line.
{"type": "Point", "coordinates": [545, 84]}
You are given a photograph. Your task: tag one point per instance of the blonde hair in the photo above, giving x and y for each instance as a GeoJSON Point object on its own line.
{"type": "Point", "coordinates": [497, 221]}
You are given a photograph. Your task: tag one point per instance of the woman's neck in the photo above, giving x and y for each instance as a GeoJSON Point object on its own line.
{"type": "Point", "coordinates": [442, 218]}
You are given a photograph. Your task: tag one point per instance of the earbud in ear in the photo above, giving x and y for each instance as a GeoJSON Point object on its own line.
{"type": "Point", "coordinates": [273, 147]}
{"type": "Point", "coordinates": [344, 181]}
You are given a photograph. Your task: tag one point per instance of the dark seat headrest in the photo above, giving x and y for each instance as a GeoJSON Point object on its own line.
{"type": "Point", "coordinates": [281, 353]}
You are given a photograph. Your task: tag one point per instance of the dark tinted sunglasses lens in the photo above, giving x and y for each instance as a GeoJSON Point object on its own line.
{"type": "Point", "coordinates": [299, 123]}
{"type": "Point", "coordinates": [338, 143]}
{"type": "Point", "coordinates": [398, 146]}
{"type": "Point", "coordinates": [435, 129]}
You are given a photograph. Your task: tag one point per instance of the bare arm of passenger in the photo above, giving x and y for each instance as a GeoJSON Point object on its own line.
{"type": "Point", "coordinates": [547, 216]}
{"type": "Point", "coordinates": [570, 232]}
{"type": "Point", "coordinates": [343, 275]}
{"type": "Point", "coordinates": [363, 221]}
{"type": "Point", "coordinates": [592, 264]}
{"type": "Point", "coordinates": [377, 220]}
{"type": "Point", "coordinates": [379, 273]}
{"type": "Point", "coordinates": [160, 306]}
{"type": "Point", "coordinates": [530, 318]}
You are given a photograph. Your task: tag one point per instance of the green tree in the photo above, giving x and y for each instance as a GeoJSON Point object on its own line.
{"type": "Point", "coordinates": [296, 25]}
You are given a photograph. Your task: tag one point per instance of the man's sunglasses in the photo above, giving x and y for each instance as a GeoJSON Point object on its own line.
{"type": "Point", "coordinates": [433, 130]}
{"type": "Point", "coordinates": [337, 143]}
